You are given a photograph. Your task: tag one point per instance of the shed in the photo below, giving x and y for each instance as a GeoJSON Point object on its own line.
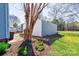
{"type": "Point", "coordinates": [44, 28]}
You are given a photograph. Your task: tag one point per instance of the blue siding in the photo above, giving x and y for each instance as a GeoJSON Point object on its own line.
{"type": "Point", "coordinates": [4, 25]}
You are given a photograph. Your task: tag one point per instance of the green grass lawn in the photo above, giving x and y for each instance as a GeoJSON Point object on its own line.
{"type": "Point", "coordinates": [66, 45]}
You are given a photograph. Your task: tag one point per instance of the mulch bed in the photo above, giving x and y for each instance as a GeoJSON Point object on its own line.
{"type": "Point", "coordinates": [43, 53]}
{"type": "Point", "coordinates": [13, 50]}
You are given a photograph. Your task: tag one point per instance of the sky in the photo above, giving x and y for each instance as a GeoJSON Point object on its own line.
{"type": "Point", "coordinates": [17, 10]}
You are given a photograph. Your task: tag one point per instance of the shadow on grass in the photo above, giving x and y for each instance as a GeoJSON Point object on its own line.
{"type": "Point", "coordinates": [49, 39]}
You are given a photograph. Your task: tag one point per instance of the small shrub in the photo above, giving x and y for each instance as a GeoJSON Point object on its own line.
{"type": "Point", "coordinates": [39, 46]}
{"type": "Point", "coordinates": [23, 51]}
{"type": "Point", "coordinates": [3, 46]}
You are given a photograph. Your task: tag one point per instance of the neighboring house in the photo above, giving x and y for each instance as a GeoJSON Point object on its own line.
{"type": "Point", "coordinates": [4, 26]}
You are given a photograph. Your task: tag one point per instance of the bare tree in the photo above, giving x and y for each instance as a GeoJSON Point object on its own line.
{"type": "Point", "coordinates": [68, 12]}
{"type": "Point", "coordinates": [32, 11]}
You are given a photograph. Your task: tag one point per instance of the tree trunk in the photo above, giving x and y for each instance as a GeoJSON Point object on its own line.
{"type": "Point", "coordinates": [28, 40]}
{"type": "Point", "coordinates": [28, 33]}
